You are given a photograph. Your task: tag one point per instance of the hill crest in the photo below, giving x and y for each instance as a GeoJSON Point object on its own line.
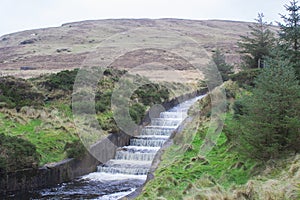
{"type": "Point", "coordinates": [71, 45]}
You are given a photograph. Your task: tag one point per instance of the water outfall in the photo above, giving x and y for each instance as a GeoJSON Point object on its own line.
{"type": "Point", "coordinates": [128, 170]}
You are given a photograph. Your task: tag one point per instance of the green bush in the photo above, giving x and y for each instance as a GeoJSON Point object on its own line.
{"type": "Point", "coordinates": [150, 94]}
{"type": "Point", "coordinates": [75, 149]}
{"type": "Point", "coordinates": [16, 93]}
{"type": "Point", "coordinates": [238, 108]}
{"type": "Point", "coordinates": [245, 77]}
{"type": "Point", "coordinates": [17, 153]}
{"type": "Point", "coordinates": [63, 80]}
{"type": "Point", "coordinates": [109, 125]}
{"type": "Point", "coordinates": [107, 122]}
{"type": "Point", "coordinates": [103, 101]}
{"type": "Point", "coordinates": [137, 112]}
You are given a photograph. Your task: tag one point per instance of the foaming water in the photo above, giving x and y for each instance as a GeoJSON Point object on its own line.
{"type": "Point", "coordinates": [128, 170]}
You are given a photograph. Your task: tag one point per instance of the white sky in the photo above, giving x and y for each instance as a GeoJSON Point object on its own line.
{"type": "Point", "coordinates": [17, 15]}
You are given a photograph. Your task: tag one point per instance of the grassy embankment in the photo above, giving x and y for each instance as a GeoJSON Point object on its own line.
{"type": "Point", "coordinates": [223, 173]}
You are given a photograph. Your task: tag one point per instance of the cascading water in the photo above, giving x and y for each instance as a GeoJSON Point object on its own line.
{"type": "Point", "coordinates": [128, 170]}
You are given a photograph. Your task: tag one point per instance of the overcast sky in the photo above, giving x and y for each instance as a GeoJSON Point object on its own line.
{"type": "Point", "coordinates": [17, 15]}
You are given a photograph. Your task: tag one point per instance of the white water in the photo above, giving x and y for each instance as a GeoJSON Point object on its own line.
{"type": "Point", "coordinates": [128, 170]}
{"type": "Point", "coordinates": [135, 159]}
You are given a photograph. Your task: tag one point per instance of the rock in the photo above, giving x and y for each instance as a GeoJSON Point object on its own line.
{"type": "Point", "coordinates": [29, 41]}
{"type": "Point", "coordinates": [63, 50]}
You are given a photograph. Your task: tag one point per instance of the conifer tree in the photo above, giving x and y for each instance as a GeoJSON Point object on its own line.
{"type": "Point", "coordinates": [270, 121]}
{"type": "Point", "coordinates": [290, 34]}
{"type": "Point", "coordinates": [258, 44]}
{"type": "Point", "coordinates": [219, 59]}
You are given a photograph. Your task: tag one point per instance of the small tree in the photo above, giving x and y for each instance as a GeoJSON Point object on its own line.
{"type": "Point", "coordinates": [219, 59]}
{"type": "Point", "coordinates": [258, 45]}
{"type": "Point", "coordinates": [290, 34]}
{"type": "Point", "coordinates": [216, 71]}
{"type": "Point", "coordinates": [270, 120]}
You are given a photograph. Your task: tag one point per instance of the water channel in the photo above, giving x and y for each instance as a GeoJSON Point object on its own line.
{"type": "Point", "coordinates": [128, 170]}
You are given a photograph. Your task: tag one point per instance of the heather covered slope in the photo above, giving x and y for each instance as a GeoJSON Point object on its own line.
{"type": "Point", "coordinates": [72, 45]}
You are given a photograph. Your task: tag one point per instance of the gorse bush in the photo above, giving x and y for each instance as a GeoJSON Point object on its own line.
{"type": "Point", "coordinates": [63, 80]}
{"type": "Point", "coordinates": [150, 94]}
{"type": "Point", "coordinates": [75, 149]}
{"type": "Point", "coordinates": [107, 122]}
{"type": "Point", "coordinates": [137, 112]}
{"type": "Point", "coordinates": [103, 101]}
{"type": "Point", "coordinates": [16, 93]}
{"type": "Point", "coordinates": [16, 153]}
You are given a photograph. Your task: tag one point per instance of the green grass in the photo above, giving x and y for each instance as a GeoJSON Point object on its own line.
{"type": "Point", "coordinates": [50, 142]}
{"type": "Point", "coordinates": [179, 170]}
{"type": "Point", "coordinates": [13, 128]}
{"type": "Point", "coordinates": [64, 109]}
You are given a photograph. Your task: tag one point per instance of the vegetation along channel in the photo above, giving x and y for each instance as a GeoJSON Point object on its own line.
{"type": "Point", "coordinates": [215, 105]}
{"type": "Point", "coordinates": [128, 169]}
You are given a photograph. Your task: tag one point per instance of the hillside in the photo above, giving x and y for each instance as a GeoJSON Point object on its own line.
{"type": "Point", "coordinates": [185, 173]}
{"type": "Point", "coordinates": [39, 110]}
{"type": "Point", "coordinates": [120, 43]}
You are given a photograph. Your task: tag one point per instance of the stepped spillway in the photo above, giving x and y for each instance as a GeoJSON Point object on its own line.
{"type": "Point", "coordinates": [128, 170]}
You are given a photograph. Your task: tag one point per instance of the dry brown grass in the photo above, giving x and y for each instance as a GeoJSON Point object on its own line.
{"type": "Point", "coordinates": [280, 182]}
{"type": "Point", "coordinates": [102, 42]}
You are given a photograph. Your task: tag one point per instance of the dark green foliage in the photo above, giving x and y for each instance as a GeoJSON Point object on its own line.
{"type": "Point", "coordinates": [238, 108]}
{"type": "Point", "coordinates": [147, 95]}
{"type": "Point", "coordinates": [219, 59]}
{"type": "Point", "coordinates": [232, 89]}
{"type": "Point", "coordinates": [216, 71]}
{"type": "Point", "coordinates": [101, 107]}
{"type": "Point", "coordinates": [114, 74]}
{"type": "Point", "coordinates": [269, 119]}
{"type": "Point", "coordinates": [150, 94]}
{"type": "Point", "coordinates": [63, 80]}
{"type": "Point", "coordinates": [258, 45]}
{"type": "Point", "coordinates": [16, 153]}
{"type": "Point", "coordinates": [103, 101]}
{"type": "Point", "coordinates": [246, 77]}
{"type": "Point", "coordinates": [137, 112]}
{"type": "Point", "coordinates": [109, 125]}
{"type": "Point", "coordinates": [212, 76]}
{"type": "Point", "coordinates": [290, 34]}
{"type": "Point", "coordinates": [16, 93]}
{"type": "Point", "coordinates": [290, 31]}
{"type": "Point", "coordinates": [75, 149]}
